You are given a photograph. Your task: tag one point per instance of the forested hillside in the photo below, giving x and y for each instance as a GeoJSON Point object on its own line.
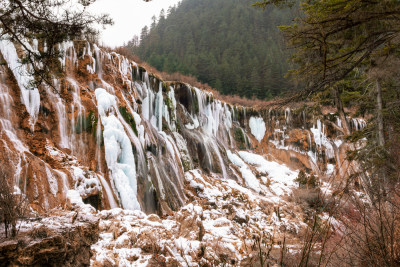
{"type": "Point", "coordinates": [228, 44]}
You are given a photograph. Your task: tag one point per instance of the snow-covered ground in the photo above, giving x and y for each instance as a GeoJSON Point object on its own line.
{"type": "Point", "coordinates": [219, 222]}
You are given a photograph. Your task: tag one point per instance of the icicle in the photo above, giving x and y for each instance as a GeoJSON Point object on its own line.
{"type": "Point", "coordinates": [159, 107]}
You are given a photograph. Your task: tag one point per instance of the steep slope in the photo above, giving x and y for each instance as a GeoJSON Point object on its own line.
{"type": "Point", "coordinates": [114, 135]}
{"type": "Point", "coordinates": [232, 46]}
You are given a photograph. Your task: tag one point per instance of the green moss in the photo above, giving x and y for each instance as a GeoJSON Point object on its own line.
{"type": "Point", "coordinates": [195, 101]}
{"type": "Point", "coordinates": [128, 118]}
{"type": "Point", "coordinates": [186, 164]}
{"type": "Point", "coordinates": [170, 105]}
{"type": "Point", "coordinates": [92, 121]}
{"type": "Point", "coordinates": [165, 87]}
{"type": "Point", "coordinates": [240, 114]}
{"type": "Point", "coordinates": [196, 104]}
{"type": "Point", "coordinates": [165, 126]}
{"type": "Point", "coordinates": [247, 139]}
{"type": "Point", "coordinates": [79, 127]}
{"type": "Point", "coordinates": [86, 124]}
{"type": "Point", "coordinates": [240, 138]}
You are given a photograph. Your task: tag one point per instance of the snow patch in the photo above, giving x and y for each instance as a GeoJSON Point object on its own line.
{"type": "Point", "coordinates": [247, 174]}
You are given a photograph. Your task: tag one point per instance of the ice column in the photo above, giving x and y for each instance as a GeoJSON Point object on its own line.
{"type": "Point", "coordinates": [118, 151]}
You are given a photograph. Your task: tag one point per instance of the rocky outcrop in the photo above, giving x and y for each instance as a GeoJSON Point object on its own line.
{"type": "Point", "coordinates": [62, 240]}
{"type": "Point", "coordinates": [177, 177]}
{"type": "Point", "coordinates": [123, 137]}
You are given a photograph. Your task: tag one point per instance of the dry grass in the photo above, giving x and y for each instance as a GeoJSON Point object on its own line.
{"type": "Point", "coordinates": [40, 232]}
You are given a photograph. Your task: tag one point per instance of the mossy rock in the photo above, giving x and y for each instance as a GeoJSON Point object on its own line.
{"type": "Point", "coordinates": [128, 118]}
{"type": "Point", "coordinates": [165, 87]}
{"type": "Point", "coordinates": [240, 138]}
{"type": "Point", "coordinates": [86, 124]}
{"type": "Point", "coordinates": [135, 73]}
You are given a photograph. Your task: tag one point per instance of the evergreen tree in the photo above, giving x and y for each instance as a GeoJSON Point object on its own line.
{"type": "Point", "coordinates": [349, 50]}
{"type": "Point", "coordinates": [222, 43]}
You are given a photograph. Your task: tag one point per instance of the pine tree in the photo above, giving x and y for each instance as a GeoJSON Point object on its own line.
{"type": "Point", "coordinates": [220, 40]}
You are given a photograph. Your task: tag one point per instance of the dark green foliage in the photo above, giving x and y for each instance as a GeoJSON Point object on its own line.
{"type": "Point", "coordinates": [228, 44]}
{"type": "Point", "coordinates": [304, 180]}
{"type": "Point", "coordinates": [301, 178]}
{"type": "Point", "coordinates": [313, 181]}
{"type": "Point", "coordinates": [129, 119]}
{"type": "Point", "coordinates": [240, 138]}
{"type": "Point", "coordinates": [86, 124]}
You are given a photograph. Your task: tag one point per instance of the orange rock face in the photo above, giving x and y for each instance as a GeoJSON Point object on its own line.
{"type": "Point", "coordinates": [63, 147]}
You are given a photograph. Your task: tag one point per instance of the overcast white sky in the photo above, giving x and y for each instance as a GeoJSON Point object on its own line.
{"type": "Point", "coordinates": [129, 16]}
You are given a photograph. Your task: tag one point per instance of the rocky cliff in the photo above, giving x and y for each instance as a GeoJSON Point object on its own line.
{"type": "Point", "coordinates": [122, 137]}
{"type": "Point", "coordinates": [58, 240]}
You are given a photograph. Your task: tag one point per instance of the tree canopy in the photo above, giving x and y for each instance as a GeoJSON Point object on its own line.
{"type": "Point", "coordinates": [337, 36]}
{"type": "Point", "coordinates": [51, 22]}
{"type": "Point", "coordinates": [347, 52]}
{"type": "Point", "coordinates": [228, 44]}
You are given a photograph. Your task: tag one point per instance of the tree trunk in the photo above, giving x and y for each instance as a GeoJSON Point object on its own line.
{"type": "Point", "coordinates": [381, 136]}
{"type": "Point", "coordinates": [342, 115]}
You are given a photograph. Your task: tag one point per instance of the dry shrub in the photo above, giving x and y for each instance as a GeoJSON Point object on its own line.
{"type": "Point", "coordinates": [371, 235]}
{"type": "Point", "coordinates": [293, 259]}
{"type": "Point", "coordinates": [40, 232]}
{"type": "Point", "coordinates": [13, 205]}
{"type": "Point", "coordinates": [104, 263]}
{"type": "Point", "coordinates": [148, 242]}
{"type": "Point", "coordinates": [309, 197]}
{"type": "Point", "coordinates": [216, 254]}
{"type": "Point", "coordinates": [362, 233]}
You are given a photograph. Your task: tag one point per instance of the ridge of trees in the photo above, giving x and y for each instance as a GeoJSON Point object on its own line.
{"type": "Point", "coordinates": [193, 81]}
{"type": "Point", "coordinates": [227, 44]}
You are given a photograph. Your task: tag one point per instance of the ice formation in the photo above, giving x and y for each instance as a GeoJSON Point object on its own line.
{"type": "Point", "coordinates": [257, 127]}
{"type": "Point", "coordinates": [321, 139]}
{"type": "Point", "coordinates": [74, 199]}
{"type": "Point", "coordinates": [29, 95]}
{"type": "Point", "coordinates": [118, 150]}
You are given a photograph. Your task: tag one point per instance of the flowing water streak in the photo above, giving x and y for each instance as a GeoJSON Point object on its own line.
{"type": "Point", "coordinates": [8, 129]}
{"type": "Point", "coordinates": [61, 114]}
{"type": "Point", "coordinates": [78, 122]}
{"type": "Point", "coordinates": [135, 139]}
{"type": "Point", "coordinates": [110, 195]}
{"type": "Point", "coordinates": [30, 96]}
